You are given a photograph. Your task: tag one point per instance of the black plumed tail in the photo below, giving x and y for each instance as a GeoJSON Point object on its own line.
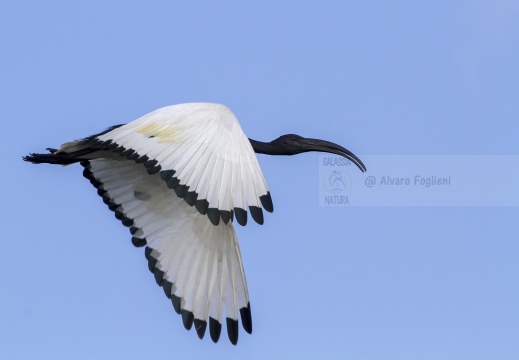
{"type": "Point", "coordinates": [58, 158]}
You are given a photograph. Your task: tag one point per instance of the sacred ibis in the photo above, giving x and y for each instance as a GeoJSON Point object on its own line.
{"type": "Point", "coordinates": [178, 177]}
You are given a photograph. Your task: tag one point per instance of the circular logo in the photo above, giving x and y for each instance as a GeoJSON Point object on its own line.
{"type": "Point", "coordinates": [336, 181]}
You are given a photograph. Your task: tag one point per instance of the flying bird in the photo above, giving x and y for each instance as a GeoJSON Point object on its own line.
{"type": "Point", "coordinates": [179, 177]}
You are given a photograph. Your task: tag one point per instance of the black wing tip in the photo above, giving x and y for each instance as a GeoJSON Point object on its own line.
{"type": "Point", "coordinates": [152, 263]}
{"type": "Point", "coordinates": [191, 198]}
{"type": "Point", "coordinates": [119, 149]}
{"type": "Point", "coordinates": [232, 330]}
{"type": "Point", "coordinates": [187, 318]}
{"type": "Point", "coordinates": [225, 215]}
{"type": "Point", "coordinates": [142, 159]}
{"type": "Point", "coordinates": [167, 174]}
{"type": "Point", "coordinates": [93, 180]}
{"type": "Point", "coordinates": [176, 302]}
{"type": "Point", "coordinates": [159, 276]}
{"type": "Point", "coordinates": [153, 170]}
{"type": "Point", "coordinates": [147, 252]}
{"type": "Point", "coordinates": [138, 242]}
{"type": "Point", "coordinates": [202, 206]}
{"type": "Point", "coordinates": [167, 286]}
{"type": "Point", "coordinates": [215, 329]}
{"type": "Point", "coordinates": [200, 326]}
{"type": "Point", "coordinates": [266, 202]}
{"type": "Point", "coordinates": [133, 156]}
{"type": "Point", "coordinates": [119, 215]}
{"type": "Point", "coordinates": [151, 163]}
{"type": "Point", "coordinates": [127, 152]}
{"type": "Point", "coordinates": [172, 183]}
{"type": "Point", "coordinates": [87, 174]}
{"type": "Point", "coordinates": [240, 215]}
{"type": "Point", "coordinates": [127, 222]}
{"type": "Point", "coordinates": [257, 214]}
{"type": "Point", "coordinates": [114, 207]}
{"type": "Point", "coordinates": [246, 318]}
{"type": "Point", "coordinates": [181, 190]}
{"type": "Point", "coordinates": [214, 216]}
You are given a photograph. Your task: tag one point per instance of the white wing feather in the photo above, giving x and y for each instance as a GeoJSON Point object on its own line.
{"type": "Point", "coordinates": [198, 264]}
{"type": "Point", "coordinates": [161, 174]}
{"type": "Point", "coordinates": [208, 151]}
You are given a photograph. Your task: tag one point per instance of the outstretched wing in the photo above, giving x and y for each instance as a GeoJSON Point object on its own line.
{"type": "Point", "coordinates": [196, 263]}
{"type": "Point", "coordinates": [199, 151]}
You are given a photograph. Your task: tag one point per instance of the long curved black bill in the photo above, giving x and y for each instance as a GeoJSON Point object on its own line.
{"type": "Point", "coordinates": [329, 147]}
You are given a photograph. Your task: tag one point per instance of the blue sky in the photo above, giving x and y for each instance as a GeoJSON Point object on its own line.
{"type": "Point", "coordinates": [378, 77]}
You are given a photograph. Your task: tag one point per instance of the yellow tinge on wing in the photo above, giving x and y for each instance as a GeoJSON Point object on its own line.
{"type": "Point", "coordinates": [165, 133]}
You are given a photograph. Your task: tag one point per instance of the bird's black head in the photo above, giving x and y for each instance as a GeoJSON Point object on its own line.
{"type": "Point", "coordinates": [289, 144]}
{"type": "Point", "coordinates": [292, 144]}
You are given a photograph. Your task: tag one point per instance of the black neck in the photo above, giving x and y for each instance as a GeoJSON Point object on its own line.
{"type": "Point", "coordinates": [261, 147]}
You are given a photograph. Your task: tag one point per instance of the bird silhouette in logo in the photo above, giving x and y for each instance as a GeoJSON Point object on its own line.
{"type": "Point", "coordinates": [337, 181]}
